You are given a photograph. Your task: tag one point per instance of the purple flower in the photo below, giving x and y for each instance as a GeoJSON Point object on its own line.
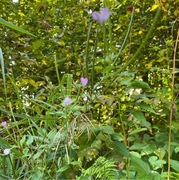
{"type": "Point", "coordinates": [84, 81]}
{"type": "Point", "coordinates": [67, 101]}
{"type": "Point", "coordinates": [101, 16]}
{"type": "Point", "coordinates": [6, 151]}
{"type": "Point", "coordinates": [4, 124]}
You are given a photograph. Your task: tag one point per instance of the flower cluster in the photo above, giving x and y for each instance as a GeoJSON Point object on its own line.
{"type": "Point", "coordinates": [67, 101]}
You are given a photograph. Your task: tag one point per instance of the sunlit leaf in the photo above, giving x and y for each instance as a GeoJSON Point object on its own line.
{"type": "Point", "coordinates": [14, 27]}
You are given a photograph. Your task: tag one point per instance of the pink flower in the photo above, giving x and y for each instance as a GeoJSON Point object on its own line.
{"type": "Point", "coordinates": [6, 151]}
{"type": "Point", "coordinates": [84, 81]}
{"type": "Point", "coordinates": [4, 124]}
{"type": "Point", "coordinates": [67, 101]}
{"type": "Point", "coordinates": [101, 16]}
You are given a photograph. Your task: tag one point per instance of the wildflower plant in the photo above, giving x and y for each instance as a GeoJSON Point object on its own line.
{"type": "Point", "coordinates": [72, 125]}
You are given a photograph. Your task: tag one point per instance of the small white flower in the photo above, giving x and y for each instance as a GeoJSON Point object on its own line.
{"type": "Point", "coordinates": [67, 101]}
{"type": "Point", "coordinates": [6, 151]}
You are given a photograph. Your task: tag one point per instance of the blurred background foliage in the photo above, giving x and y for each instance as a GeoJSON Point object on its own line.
{"type": "Point", "coordinates": [61, 29]}
{"type": "Point", "coordinates": [136, 104]}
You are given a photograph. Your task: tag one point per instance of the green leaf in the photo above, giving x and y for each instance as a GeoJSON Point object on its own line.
{"type": "Point", "coordinates": [37, 155]}
{"type": "Point", "coordinates": [138, 130]}
{"type": "Point", "coordinates": [145, 107]}
{"type": "Point", "coordinates": [117, 137]}
{"type": "Point", "coordinates": [126, 81]}
{"type": "Point", "coordinates": [140, 84]}
{"type": "Point", "coordinates": [3, 72]}
{"type": "Point", "coordinates": [37, 174]}
{"type": "Point", "coordinates": [157, 163]}
{"type": "Point", "coordinates": [14, 27]}
{"type": "Point", "coordinates": [120, 148]}
{"type": "Point", "coordinates": [140, 116]}
{"type": "Point", "coordinates": [140, 165]}
{"type": "Point", "coordinates": [174, 165]}
{"type": "Point", "coordinates": [176, 149]}
{"type": "Point", "coordinates": [30, 140]}
{"type": "Point", "coordinates": [106, 129]}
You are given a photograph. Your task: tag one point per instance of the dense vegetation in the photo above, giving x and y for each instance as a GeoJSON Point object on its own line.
{"type": "Point", "coordinates": [83, 99]}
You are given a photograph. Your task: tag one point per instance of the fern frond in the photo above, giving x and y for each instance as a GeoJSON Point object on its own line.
{"type": "Point", "coordinates": [102, 169]}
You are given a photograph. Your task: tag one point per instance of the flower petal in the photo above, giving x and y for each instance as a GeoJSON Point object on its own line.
{"type": "Point", "coordinates": [96, 16]}
{"type": "Point", "coordinates": [101, 16]}
{"type": "Point", "coordinates": [84, 81]}
{"type": "Point", "coordinates": [6, 151]}
{"type": "Point", "coordinates": [67, 101]}
{"type": "Point", "coordinates": [105, 13]}
{"type": "Point", "coordinates": [4, 124]}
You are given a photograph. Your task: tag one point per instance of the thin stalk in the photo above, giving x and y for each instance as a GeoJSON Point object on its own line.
{"type": "Point", "coordinates": [94, 56]}
{"type": "Point", "coordinates": [14, 119]}
{"type": "Point", "coordinates": [110, 35]}
{"type": "Point", "coordinates": [172, 105]}
{"type": "Point", "coordinates": [13, 167]}
{"type": "Point", "coordinates": [145, 41]}
{"type": "Point", "coordinates": [17, 91]}
{"type": "Point", "coordinates": [87, 48]}
{"type": "Point", "coordinates": [126, 37]}
{"type": "Point", "coordinates": [57, 72]}
{"type": "Point", "coordinates": [3, 73]}
{"type": "Point", "coordinates": [105, 40]}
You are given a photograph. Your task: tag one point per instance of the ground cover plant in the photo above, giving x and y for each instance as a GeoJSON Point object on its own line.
{"type": "Point", "coordinates": [89, 89]}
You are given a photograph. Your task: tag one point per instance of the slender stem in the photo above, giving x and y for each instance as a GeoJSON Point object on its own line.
{"type": "Point", "coordinates": [94, 56]}
{"type": "Point", "coordinates": [56, 68]}
{"type": "Point", "coordinates": [104, 40]}
{"type": "Point", "coordinates": [126, 37]}
{"type": "Point", "coordinates": [13, 167]}
{"type": "Point", "coordinates": [110, 35]}
{"type": "Point", "coordinates": [87, 48]}
{"type": "Point", "coordinates": [132, 60]}
{"type": "Point", "coordinates": [14, 119]}
{"type": "Point", "coordinates": [3, 73]}
{"type": "Point", "coordinates": [172, 105]}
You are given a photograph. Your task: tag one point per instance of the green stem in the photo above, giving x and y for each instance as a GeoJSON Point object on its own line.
{"type": "Point", "coordinates": [172, 105]}
{"type": "Point", "coordinates": [87, 48]}
{"type": "Point", "coordinates": [110, 35]}
{"type": "Point", "coordinates": [56, 68]}
{"type": "Point", "coordinates": [94, 56]}
{"type": "Point", "coordinates": [104, 40]}
{"type": "Point", "coordinates": [3, 73]}
{"type": "Point", "coordinates": [126, 37]}
{"type": "Point", "coordinates": [145, 41]}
